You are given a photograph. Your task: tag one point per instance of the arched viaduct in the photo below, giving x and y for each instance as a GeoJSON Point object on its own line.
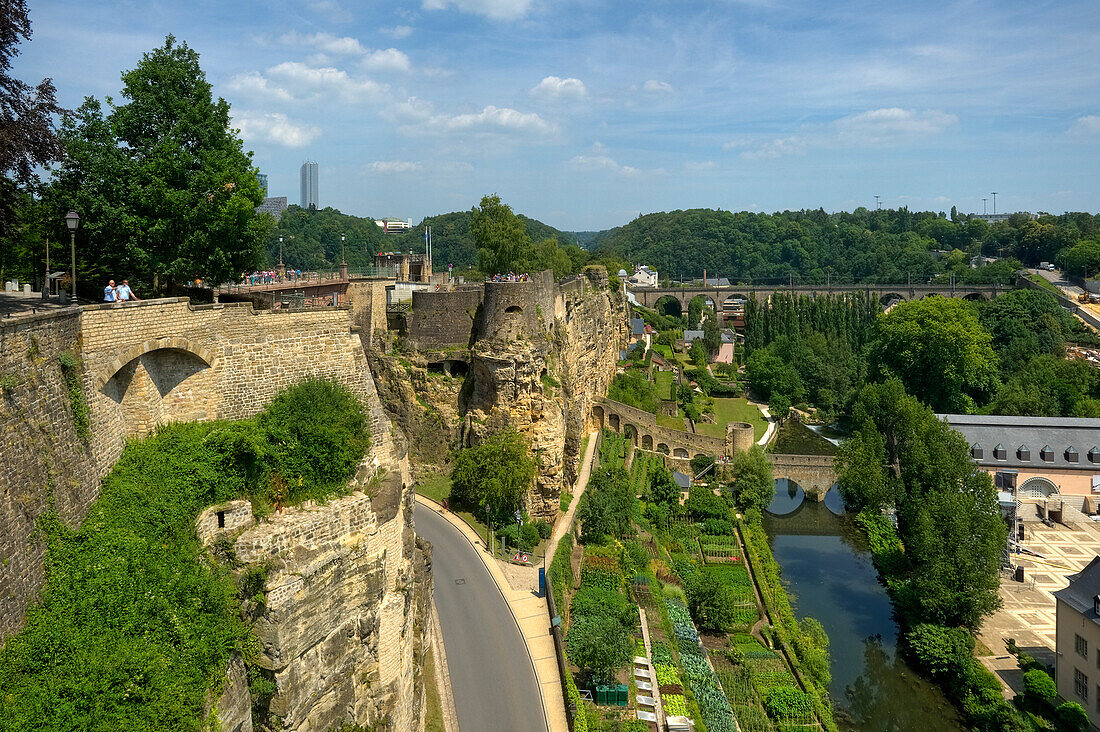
{"type": "Point", "coordinates": [814, 473]}
{"type": "Point", "coordinates": [648, 296]}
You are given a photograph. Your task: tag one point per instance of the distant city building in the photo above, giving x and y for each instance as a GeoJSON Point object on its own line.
{"type": "Point", "coordinates": [274, 206]}
{"type": "Point", "coordinates": [644, 277]}
{"type": "Point", "coordinates": [394, 226]}
{"type": "Point", "coordinates": [1077, 639]}
{"type": "Point", "coordinates": [996, 218]}
{"type": "Point", "coordinates": [261, 178]}
{"type": "Point", "coordinates": [309, 173]}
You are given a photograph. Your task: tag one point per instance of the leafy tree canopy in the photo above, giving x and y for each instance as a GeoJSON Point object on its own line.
{"type": "Point", "coordinates": [939, 350]}
{"type": "Point", "coordinates": [754, 483]}
{"type": "Point", "coordinates": [166, 190]}
{"type": "Point", "coordinates": [494, 475]}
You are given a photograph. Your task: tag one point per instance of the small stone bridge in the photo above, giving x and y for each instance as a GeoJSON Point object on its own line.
{"type": "Point", "coordinates": [719, 296]}
{"type": "Point", "coordinates": [814, 473]}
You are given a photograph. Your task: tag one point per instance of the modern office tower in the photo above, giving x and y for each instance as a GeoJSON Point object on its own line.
{"type": "Point", "coordinates": [261, 178]}
{"type": "Point", "coordinates": [309, 184]}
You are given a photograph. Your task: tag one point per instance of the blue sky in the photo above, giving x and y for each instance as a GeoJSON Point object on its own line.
{"type": "Point", "coordinates": [586, 113]}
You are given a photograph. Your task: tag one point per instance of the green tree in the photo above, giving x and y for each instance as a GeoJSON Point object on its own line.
{"type": "Point", "coordinates": [947, 512]}
{"type": "Point", "coordinates": [186, 189]}
{"type": "Point", "coordinates": [494, 475]}
{"type": "Point", "coordinates": [662, 487]}
{"type": "Point", "coordinates": [754, 482]}
{"type": "Point", "coordinates": [607, 506]}
{"type": "Point", "coordinates": [1039, 686]}
{"type": "Point", "coordinates": [502, 241]}
{"type": "Point", "coordinates": [698, 353]}
{"type": "Point", "coordinates": [712, 602]}
{"type": "Point", "coordinates": [600, 645]}
{"type": "Point", "coordinates": [939, 350]}
{"type": "Point", "coordinates": [1072, 717]}
{"type": "Point", "coordinates": [27, 131]}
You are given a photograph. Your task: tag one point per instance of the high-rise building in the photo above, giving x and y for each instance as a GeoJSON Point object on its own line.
{"type": "Point", "coordinates": [309, 184]}
{"type": "Point", "coordinates": [261, 178]}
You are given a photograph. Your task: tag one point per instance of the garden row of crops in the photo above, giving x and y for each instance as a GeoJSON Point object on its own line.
{"type": "Point", "coordinates": [713, 705]}
{"type": "Point", "coordinates": [640, 470]}
{"type": "Point", "coordinates": [764, 694]}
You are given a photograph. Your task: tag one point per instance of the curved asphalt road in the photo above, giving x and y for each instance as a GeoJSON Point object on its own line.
{"type": "Point", "coordinates": [491, 673]}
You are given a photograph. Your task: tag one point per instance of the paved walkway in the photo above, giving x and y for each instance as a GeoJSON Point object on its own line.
{"type": "Point", "coordinates": [1028, 613]}
{"type": "Point", "coordinates": [565, 523]}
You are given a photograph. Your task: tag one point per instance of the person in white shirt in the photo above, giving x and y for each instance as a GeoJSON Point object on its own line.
{"type": "Point", "coordinates": [124, 292]}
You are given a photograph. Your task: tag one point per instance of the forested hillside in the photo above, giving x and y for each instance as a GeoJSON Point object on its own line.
{"type": "Point", "coordinates": [861, 246]}
{"type": "Point", "coordinates": [452, 242]}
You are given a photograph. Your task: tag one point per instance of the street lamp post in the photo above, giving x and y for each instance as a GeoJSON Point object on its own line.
{"type": "Point", "coordinates": [46, 282]}
{"type": "Point", "coordinates": [282, 267]}
{"type": "Point", "coordinates": [72, 220]}
{"type": "Point", "coordinates": [343, 259]}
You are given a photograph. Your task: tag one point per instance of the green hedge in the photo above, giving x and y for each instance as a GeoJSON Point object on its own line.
{"type": "Point", "coordinates": [133, 631]}
{"type": "Point", "coordinates": [561, 571]}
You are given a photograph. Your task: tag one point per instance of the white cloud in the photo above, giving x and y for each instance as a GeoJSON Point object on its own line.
{"type": "Point", "coordinates": [890, 125]}
{"type": "Point", "coordinates": [793, 145]}
{"type": "Point", "coordinates": [306, 82]}
{"type": "Point", "coordinates": [1085, 126]}
{"type": "Point", "coordinates": [254, 84]}
{"type": "Point", "coordinates": [388, 59]}
{"type": "Point", "coordinates": [330, 8]}
{"type": "Point", "coordinates": [655, 86]}
{"type": "Point", "coordinates": [495, 9]}
{"type": "Point", "coordinates": [417, 117]}
{"type": "Point", "coordinates": [884, 127]}
{"type": "Point", "coordinates": [398, 31]}
{"type": "Point", "coordinates": [598, 162]}
{"type": "Point", "coordinates": [554, 88]}
{"type": "Point", "coordinates": [274, 128]}
{"type": "Point", "coordinates": [336, 45]}
{"type": "Point", "coordinates": [693, 166]}
{"type": "Point", "coordinates": [394, 166]}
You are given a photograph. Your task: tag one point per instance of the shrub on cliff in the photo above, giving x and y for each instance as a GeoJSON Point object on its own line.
{"type": "Point", "coordinates": [316, 434]}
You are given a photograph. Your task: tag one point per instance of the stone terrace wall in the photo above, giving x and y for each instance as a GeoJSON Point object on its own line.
{"type": "Point", "coordinates": [156, 361]}
{"type": "Point", "coordinates": [43, 462]}
{"type": "Point", "coordinates": [443, 319]}
{"type": "Point", "coordinates": [144, 364]}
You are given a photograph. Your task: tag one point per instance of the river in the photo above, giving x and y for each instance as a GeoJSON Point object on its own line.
{"type": "Point", "coordinates": [830, 576]}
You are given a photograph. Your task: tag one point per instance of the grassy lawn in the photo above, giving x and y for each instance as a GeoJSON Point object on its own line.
{"type": "Point", "coordinates": [738, 409]}
{"type": "Point", "coordinates": [664, 350]}
{"type": "Point", "coordinates": [673, 423]}
{"type": "Point", "coordinates": [435, 486]}
{"type": "Point", "coordinates": [663, 380]}
{"type": "Point", "coordinates": [434, 714]}
{"type": "Point", "coordinates": [1043, 282]}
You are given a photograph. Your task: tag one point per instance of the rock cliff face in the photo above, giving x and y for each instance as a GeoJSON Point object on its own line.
{"type": "Point", "coordinates": [341, 593]}
{"type": "Point", "coordinates": [541, 352]}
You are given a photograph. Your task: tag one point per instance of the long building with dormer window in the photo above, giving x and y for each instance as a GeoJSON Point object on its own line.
{"type": "Point", "coordinates": [1039, 455]}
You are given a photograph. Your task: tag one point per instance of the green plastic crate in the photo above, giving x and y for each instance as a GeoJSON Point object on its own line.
{"type": "Point", "coordinates": [621, 692]}
{"type": "Point", "coordinates": [601, 695]}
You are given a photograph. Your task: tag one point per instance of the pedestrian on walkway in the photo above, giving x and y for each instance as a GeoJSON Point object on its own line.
{"type": "Point", "coordinates": [124, 293]}
{"type": "Point", "coordinates": [110, 294]}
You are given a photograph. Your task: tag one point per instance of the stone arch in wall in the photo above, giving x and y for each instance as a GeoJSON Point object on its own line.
{"type": "Point", "coordinates": [662, 448]}
{"type": "Point", "coordinates": [974, 296]}
{"type": "Point", "coordinates": [669, 305]}
{"type": "Point", "coordinates": [597, 417]}
{"type": "Point", "coordinates": [613, 421]}
{"type": "Point", "coordinates": [680, 452]}
{"type": "Point", "coordinates": [1038, 487]}
{"type": "Point", "coordinates": [647, 442]}
{"type": "Point", "coordinates": [630, 432]}
{"type": "Point", "coordinates": [162, 385]}
{"type": "Point", "coordinates": [891, 298]}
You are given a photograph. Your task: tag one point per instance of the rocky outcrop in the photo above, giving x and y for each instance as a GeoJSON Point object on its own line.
{"type": "Point", "coordinates": [543, 353]}
{"type": "Point", "coordinates": [335, 607]}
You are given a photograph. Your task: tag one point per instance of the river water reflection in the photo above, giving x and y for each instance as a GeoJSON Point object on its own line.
{"type": "Point", "coordinates": [830, 576]}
